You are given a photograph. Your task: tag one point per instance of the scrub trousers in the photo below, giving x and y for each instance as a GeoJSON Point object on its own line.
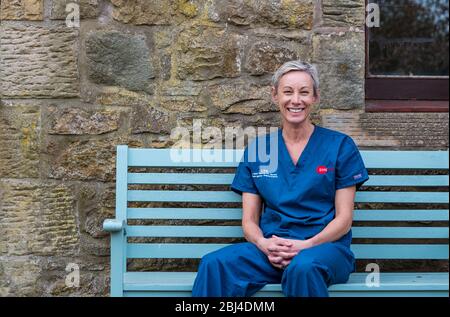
{"type": "Point", "coordinates": [240, 270]}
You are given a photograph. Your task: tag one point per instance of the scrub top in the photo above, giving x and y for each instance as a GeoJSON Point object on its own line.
{"type": "Point", "coordinates": [298, 200]}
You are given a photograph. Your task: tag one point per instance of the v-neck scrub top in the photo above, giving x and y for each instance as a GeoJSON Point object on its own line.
{"type": "Point", "coordinates": [299, 200]}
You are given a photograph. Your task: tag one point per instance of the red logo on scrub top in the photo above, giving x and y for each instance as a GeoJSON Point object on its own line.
{"type": "Point", "coordinates": [323, 169]}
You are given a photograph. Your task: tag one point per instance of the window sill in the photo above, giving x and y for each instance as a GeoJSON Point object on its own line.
{"type": "Point", "coordinates": [406, 106]}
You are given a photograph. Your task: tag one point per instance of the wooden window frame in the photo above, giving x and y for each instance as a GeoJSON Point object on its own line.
{"type": "Point", "coordinates": [404, 94]}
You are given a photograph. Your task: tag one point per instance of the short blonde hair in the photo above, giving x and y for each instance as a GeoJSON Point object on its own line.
{"type": "Point", "coordinates": [297, 65]}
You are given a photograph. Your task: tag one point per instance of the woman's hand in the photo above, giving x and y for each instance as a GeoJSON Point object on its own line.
{"type": "Point", "coordinates": [281, 251]}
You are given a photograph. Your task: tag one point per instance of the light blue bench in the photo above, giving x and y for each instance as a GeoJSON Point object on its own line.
{"type": "Point", "coordinates": [423, 194]}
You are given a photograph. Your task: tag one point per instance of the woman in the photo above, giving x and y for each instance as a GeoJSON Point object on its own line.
{"type": "Point", "coordinates": [302, 237]}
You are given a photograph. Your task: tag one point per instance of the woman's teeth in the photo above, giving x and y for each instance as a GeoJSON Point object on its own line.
{"type": "Point", "coordinates": [295, 110]}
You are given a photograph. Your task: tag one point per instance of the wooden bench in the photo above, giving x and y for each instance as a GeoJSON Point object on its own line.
{"type": "Point", "coordinates": [421, 207]}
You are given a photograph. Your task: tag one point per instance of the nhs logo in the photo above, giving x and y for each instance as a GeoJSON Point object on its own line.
{"type": "Point", "coordinates": [264, 171]}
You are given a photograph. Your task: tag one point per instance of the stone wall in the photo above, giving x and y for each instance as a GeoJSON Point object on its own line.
{"type": "Point", "coordinates": [133, 71]}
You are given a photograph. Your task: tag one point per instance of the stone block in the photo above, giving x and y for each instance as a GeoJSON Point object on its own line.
{"type": "Point", "coordinates": [150, 119]}
{"type": "Point", "coordinates": [85, 160]}
{"type": "Point", "coordinates": [183, 104]}
{"type": "Point", "coordinates": [108, 197]}
{"type": "Point", "coordinates": [38, 62]}
{"type": "Point", "coordinates": [93, 208]}
{"type": "Point", "coordinates": [76, 121]}
{"type": "Point", "coordinates": [342, 13]}
{"type": "Point", "coordinates": [343, 46]}
{"type": "Point", "coordinates": [155, 12]}
{"type": "Point", "coordinates": [241, 98]}
{"type": "Point", "coordinates": [117, 96]}
{"type": "Point", "coordinates": [94, 222]}
{"type": "Point", "coordinates": [266, 57]}
{"type": "Point", "coordinates": [92, 276]}
{"type": "Point", "coordinates": [37, 219]}
{"type": "Point", "coordinates": [31, 10]}
{"type": "Point", "coordinates": [95, 247]}
{"type": "Point", "coordinates": [18, 277]}
{"type": "Point", "coordinates": [340, 60]}
{"type": "Point", "coordinates": [88, 9]}
{"type": "Point", "coordinates": [119, 59]}
{"type": "Point", "coordinates": [19, 141]}
{"type": "Point", "coordinates": [292, 14]}
{"type": "Point", "coordinates": [205, 53]}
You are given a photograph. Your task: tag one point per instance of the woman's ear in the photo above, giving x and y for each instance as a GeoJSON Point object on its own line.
{"type": "Point", "coordinates": [317, 98]}
{"type": "Point", "coordinates": [274, 95]}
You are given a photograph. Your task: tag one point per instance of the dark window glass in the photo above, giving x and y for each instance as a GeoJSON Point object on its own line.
{"type": "Point", "coordinates": [412, 39]}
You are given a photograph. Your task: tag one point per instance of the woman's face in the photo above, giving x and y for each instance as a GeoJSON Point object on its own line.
{"type": "Point", "coordinates": [295, 96]}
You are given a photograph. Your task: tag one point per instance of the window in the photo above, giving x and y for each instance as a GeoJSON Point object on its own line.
{"type": "Point", "coordinates": [407, 66]}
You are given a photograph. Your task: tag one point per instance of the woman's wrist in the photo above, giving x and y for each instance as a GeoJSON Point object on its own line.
{"type": "Point", "coordinates": [260, 242]}
{"type": "Point", "coordinates": [309, 243]}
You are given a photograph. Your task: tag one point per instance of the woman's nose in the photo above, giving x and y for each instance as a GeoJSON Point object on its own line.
{"type": "Point", "coordinates": [296, 98]}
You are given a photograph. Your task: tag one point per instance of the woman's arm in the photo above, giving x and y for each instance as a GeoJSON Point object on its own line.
{"type": "Point", "coordinates": [251, 213]}
{"type": "Point", "coordinates": [338, 227]}
{"type": "Point", "coordinates": [342, 223]}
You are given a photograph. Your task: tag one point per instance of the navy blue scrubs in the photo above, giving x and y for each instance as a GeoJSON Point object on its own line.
{"type": "Point", "coordinates": [298, 203]}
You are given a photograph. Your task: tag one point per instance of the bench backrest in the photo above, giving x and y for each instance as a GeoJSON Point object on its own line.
{"type": "Point", "coordinates": [425, 201]}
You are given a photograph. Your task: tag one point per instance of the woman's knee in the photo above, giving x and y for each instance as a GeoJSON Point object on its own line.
{"type": "Point", "coordinates": [304, 267]}
{"type": "Point", "coordinates": [212, 258]}
{"type": "Point", "coordinates": [230, 254]}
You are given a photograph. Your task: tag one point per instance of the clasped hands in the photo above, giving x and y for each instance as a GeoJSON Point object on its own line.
{"type": "Point", "coordinates": [281, 251]}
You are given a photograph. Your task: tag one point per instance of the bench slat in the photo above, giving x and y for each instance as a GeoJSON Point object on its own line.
{"type": "Point", "coordinates": [407, 180]}
{"type": "Point", "coordinates": [185, 213]}
{"type": "Point", "coordinates": [406, 159]}
{"type": "Point", "coordinates": [183, 281]}
{"type": "Point", "coordinates": [361, 251]}
{"type": "Point", "coordinates": [229, 196]}
{"type": "Point", "coordinates": [231, 158]}
{"type": "Point", "coordinates": [195, 158]}
{"type": "Point", "coordinates": [180, 178]}
{"type": "Point", "coordinates": [401, 215]}
{"type": "Point", "coordinates": [227, 179]}
{"type": "Point", "coordinates": [236, 214]}
{"type": "Point", "coordinates": [402, 197]}
{"type": "Point", "coordinates": [266, 293]}
{"type": "Point", "coordinates": [236, 232]}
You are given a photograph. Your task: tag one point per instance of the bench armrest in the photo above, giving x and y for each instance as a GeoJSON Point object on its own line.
{"type": "Point", "coordinates": [113, 225]}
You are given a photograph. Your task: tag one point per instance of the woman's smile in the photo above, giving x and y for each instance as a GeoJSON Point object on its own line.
{"type": "Point", "coordinates": [296, 110]}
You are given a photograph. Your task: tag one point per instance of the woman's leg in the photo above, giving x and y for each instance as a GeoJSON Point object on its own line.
{"type": "Point", "coordinates": [313, 270]}
{"type": "Point", "coordinates": [237, 270]}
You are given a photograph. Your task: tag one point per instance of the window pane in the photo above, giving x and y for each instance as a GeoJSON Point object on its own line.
{"type": "Point", "coordinates": [412, 39]}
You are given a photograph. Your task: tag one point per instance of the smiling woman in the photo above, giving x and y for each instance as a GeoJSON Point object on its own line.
{"type": "Point", "coordinates": [297, 221]}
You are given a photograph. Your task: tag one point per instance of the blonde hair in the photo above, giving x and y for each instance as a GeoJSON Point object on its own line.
{"type": "Point", "coordinates": [298, 65]}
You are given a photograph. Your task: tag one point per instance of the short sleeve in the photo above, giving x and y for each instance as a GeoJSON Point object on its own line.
{"type": "Point", "coordinates": [350, 169]}
{"type": "Point", "coordinates": [243, 180]}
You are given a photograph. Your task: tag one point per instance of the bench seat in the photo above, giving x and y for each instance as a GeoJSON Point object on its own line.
{"type": "Point", "coordinates": [392, 284]}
